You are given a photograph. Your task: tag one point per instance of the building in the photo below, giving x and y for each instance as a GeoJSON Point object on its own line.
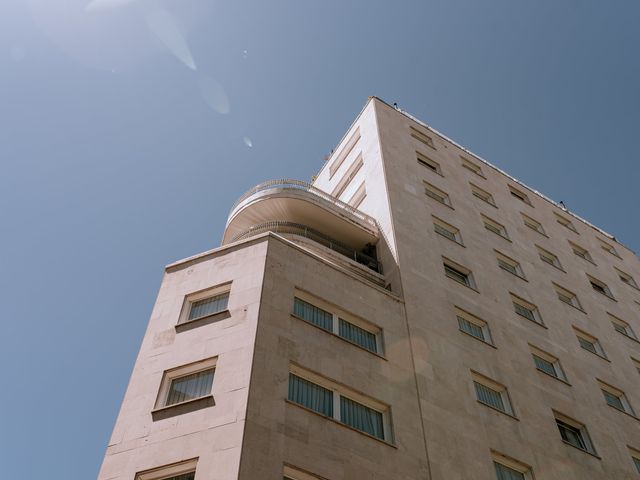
{"type": "Point", "coordinates": [415, 313]}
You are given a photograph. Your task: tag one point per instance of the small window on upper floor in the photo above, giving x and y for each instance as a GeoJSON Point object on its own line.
{"type": "Point", "coordinates": [599, 286]}
{"type": "Point", "coordinates": [358, 196]}
{"type": "Point", "coordinates": [508, 468]}
{"type": "Point", "coordinates": [185, 470]}
{"type": "Point", "coordinates": [526, 309]}
{"type": "Point", "coordinates": [492, 393]}
{"type": "Point", "coordinates": [474, 326]}
{"type": "Point", "coordinates": [429, 163]}
{"type": "Point", "coordinates": [422, 137]}
{"type": "Point", "coordinates": [565, 222]}
{"type": "Point", "coordinates": [636, 363]}
{"type": "Point", "coordinates": [581, 252]}
{"type": "Point", "coordinates": [458, 273]}
{"type": "Point", "coordinates": [437, 194]}
{"type": "Point", "coordinates": [622, 327]}
{"type": "Point", "coordinates": [533, 224]}
{"type": "Point", "coordinates": [520, 195]}
{"type": "Point", "coordinates": [607, 247]}
{"type": "Point", "coordinates": [615, 398]}
{"type": "Point", "coordinates": [483, 195]}
{"type": "Point", "coordinates": [547, 363]}
{"type": "Point", "coordinates": [589, 343]}
{"type": "Point", "coordinates": [446, 230]}
{"type": "Point", "coordinates": [495, 227]}
{"type": "Point", "coordinates": [547, 257]}
{"type": "Point", "coordinates": [348, 176]}
{"type": "Point", "coordinates": [626, 278]}
{"type": "Point", "coordinates": [635, 458]}
{"type": "Point", "coordinates": [205, 306]}
{"type": "Point", "coordinates": [567, 296]}
{"type": "Point", "coordinates": [574, 433]}
{"type": "Point", "coordinates": [471, 166]}
{"type": "Point", "coordinates": [509, 264]}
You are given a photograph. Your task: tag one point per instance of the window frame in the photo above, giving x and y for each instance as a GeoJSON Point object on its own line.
{"type": "Point", "coordinates": [165, 472]}
{"type": "Point", "coordinates": [482, 194]}
{"type": "Point", "coordinates": [501, 229]}
{"type": "Point", "coordinates": [496, 387]}
{"type": "Point", "coordinates": [607, 247]}
{"type": "Point", "coordinates": [626, 278]}
{"type": "Point", "coordinates": [603, 288]}
{"type": "Point", "coordinates": [437, 194]}
{"type": "Point", "coordinates": [422, 137]}
{"type": "Point", "coordinates": [559, 373]}
{"type": "Point", "coordinates": [478, 322]}
{"type": "Point", "coordinates": [290, 472]}
{"type": "Point", "coordinates": [194, 297]}
{"type": "Point", "coordinates": [512, 464]}
{"type": "Point", "coordinates": [527, 305]}
{"type": "Point", "coordinates": [549, 258]}
{"type": "Point", "coordinates": [508, 261]}
{"type": "Point", "coordinates": [533, 224]}
{"type": "Point", "coordinates": [461, 270]}
{"type": "Point", "coordinates": [577, 427]}
{"type": "Point", "coordinates": [520, 195]}
{"type": "Point", "coordinates": [635, 457]}
{"type": "Point", "coordinates": [618, 394]}
{"type": "Point", "coordinates": [628, 330]}
{"type": "Point", "coordinates": [598, 350]}
{"type": "Point", "coordinates": [429, 163]}
{"type": "Point", "coordinates": [571, 298]}
{"type": "Point", "coordinates": [455, 231]}
{"type": "Point", "coordinates": [472, 167]}
{"type": "Point", "coordinates": [566, 223]}
{"type": "Point", "coordinates": [584, 253]}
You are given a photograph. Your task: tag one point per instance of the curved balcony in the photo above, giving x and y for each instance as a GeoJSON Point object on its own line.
{"type": "Point", "coordinates": [295, 207]}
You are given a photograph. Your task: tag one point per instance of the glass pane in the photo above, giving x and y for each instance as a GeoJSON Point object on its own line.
{"type": "Point", "coordinates": [313, 314]}
{"type": "Point", "coordinates": [190, 387]}
{"type": "Point", "coordinates": [209, 306]}
{"type": "Point", "coordinates": [587, 345]}
{"type": "Point", "coordinates": [444, 232]}
{"type": "Point", "coordinates": [614, 401]}
{"type": "Point", "coordinates": [545, 366]}
{"type": "Point", "coordinates": [185, 476]}
{"type": "Point", "coordinates": [489, 396]}
{"type": "Point", "coordinates": [620, 328]}
{"type": "Point", "coordinates": [471, 328]}
{"type": "Point", "coordinates": [525, 312]}
{"type": "Point", "coordinates": [506, 473]}
{"type": "Point", "coordinates": [636, 461]}
{"type": "Point", "coordinates": [357, 335]}
{"type": "Point", "coordinates": [310, 395]}
{"type": "Point", "coordinates": [456, 275]}
{"type": "Point", "coordinates": [571, 435]}
{"type": "Point", "coordinates": [508, 267]}
{"type": "Point", "coordinates": [361, 418]}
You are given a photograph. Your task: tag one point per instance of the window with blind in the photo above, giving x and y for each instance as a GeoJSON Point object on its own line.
{"type": "Point", "coordinates": [581, 252]}
{"type": "Point", "coordinates": [589, 343]}
{"type": "Point", "coordinates": [339, 403]}
{"type": "Point", "coordinates": [533, 224]}
{"type": "Point", "coordinates": [505, 473]}
{"type": "Point", "coordinates": [312, 314]}
{"type": "Point", "coordinates": [458, 273]}
{"type": "Point", "coordinates": [526, 309]}
{"type": "Point", "coordinates": [474, 326]}
{"type": "Point", "coordinates": [357, 335]}
{"type": "Point", "coordinates": [186, 383]}
{"type": "Point", "coordinates": [566, 296]}
{"type": "Point", "coordinates": [600, 287]}
{"type": "Point", "coordinates": [510, 265]}
{"type": "Point", "coordinates": [565, 222]}
{"type": "Point", "coordinates": [492, 394]}
{"type": "Point", "coordinates": [621, 326]}
{"type": "Point", "coordinates": [437, 194]}
{"type": "Point", "coordinates": [446, 230]}
{"type": "Point", "coordinates": [547, 363]}
{"type": "Point", "coordinates": [616, 398]}
{"type": "Point", "coordinates": [508, 468]}
{"type": "Point", "coordinates": [495, 227]}
{"type": "Point", "coordinates": [185, 470]}
{"type": "Point", "coordinates": [205, 304]}
{"type": "Point", "coordinates": [208, 306]}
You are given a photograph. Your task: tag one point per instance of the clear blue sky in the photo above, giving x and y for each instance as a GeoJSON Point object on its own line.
{"type": "Point", "coordinates": [129, 127]}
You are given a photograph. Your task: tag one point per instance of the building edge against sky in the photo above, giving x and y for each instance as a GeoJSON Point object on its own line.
{"type": "Point", "coordinates": [415, 313]}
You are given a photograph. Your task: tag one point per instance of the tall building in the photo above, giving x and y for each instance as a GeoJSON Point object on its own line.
{"type": "Point", "coordinates": [415, 313]}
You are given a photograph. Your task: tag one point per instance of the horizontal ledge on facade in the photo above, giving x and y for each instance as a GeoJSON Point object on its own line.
{"type": "Point", "coordinates": [202, 321]}
{"type": "Point", "coordinates": [510, 415]}
{"type": "Point", "coordinates": [182, 408]}
{"type": "Point", "coordinates": [632, 415]}
{"type": "Point", "coordinates": [554, 377]}
{"type": "Point", "coordinates": [337, 422]}
{"type": "Point", "coordinates": [595, 455]}
{"type": "Point", "coordinates": [479, 339]}
{"type": "Point", "coordinates": [463, 284]}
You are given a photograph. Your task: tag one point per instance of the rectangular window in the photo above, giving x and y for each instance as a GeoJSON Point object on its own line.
{"type": "Point", "coordinates": [607, 247]}
{"type": "Point", "coordinates": [428, 163]}
{"type": "Point", "coordinates": [209, 306]}
{"type": "Point", "coordinates": [581, 252]}
{"type": "Point", "coordinates": [474, 326]}
{"type": "Point", "coordinates": [472, 167]}
{"type": "Point", "coordinates": [547, 363]}
{"type": "Point", "coordinates": [186, 383]}
{"type": "Point", "coordinates": [344, 153]}
{"type": "Point", "coordinates": [622, 327]}
{"type": "Point", "coordinates": [626, 278]}
{"type": "Point", "coordinates": [358, 196]}
{"type": "Point", "coordinates": [338, 322]}
{"type": "Point", "coordinates": [491, 393]}
{"type": "Point", "coordinates": [292, 473]}
{"type": "Point", "coordinates": [567, 296]}
{"type": "Point", "coordinates": [635, 457]}
{"type": "Point", "coordinates": [565, 222]}
{"type": "Point", "coordinates": [615, 398]}
{"type": "Point", "coordinates": [437, 194]}
{"type": "Point", "coordinates": [509, 264]}
{"type": "Point", "coordinates": [482, 194]}
{"type": "Point", "coordinates": [636, 363]}
{"type": "Point", "coordinates": [422, 137]}
{"type": "Point", "coordinates": [574, 433]}
{"type": "Point", "coordinates": [447, 230]}
{"type": "Point", "coordinates": [495, 227]}
{"type": "Point", "coordinates": [526, 309]}
{"type": "Point", "coordinates": [458, 273]}
{"type": "Point", "coordinates": [520, 195]}
{"type": "Point", "coordinates": [185, 470]}
{"type": "Point", "coordinates": [600, 286]}
{"type": "Point", "coordinates": [349, 175]}
{"type": "Point", "coordinates": [533, 224]}
{"type": "Point", "coordinates": [589, 343]}
{"type": "Point", "coordinates": [506, 473]}
{"type": "Point", "coordinates": [339, 403]}
{"type": "Point", "coordinates": [508, 468]}
{"type": "Point", "coordinates": [548, 257]}
{"type": "Point", "coordinates": [205, 304]}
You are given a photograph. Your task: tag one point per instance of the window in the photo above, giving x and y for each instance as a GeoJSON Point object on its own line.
{"type": "Point", "coordinates": [636, 363]}
{"type": "Point", "coordinates": [344, 153]}
{"type": "Point", "coordinates": [422, 137]}
{"type": "Point", "coordinates": [581, 252]}
{"type": "Point", "coordinates": [615, 398]}
{"type": "Point", "coordinates": [491, 393]}
{"type": "Point", "coordinates": [437, 194]}
{"type": "Point", "coordinates": [547, 363]}
{"type": "Point", "coordinates": [185, 470]}
{"type": "Point", "coordinates": [472, 167]}
{"type": "Point", "coordinates": [205, 304]}
{"type": "Point", "coordinates": [292, 473]}
{"type": "Point", "coordinates": [508, 468]}
{"type": "Point", "coordinates": [338, 322]}
{"type": "Point", "coordinates": [548, 257]}
{"type": "Point", "coordinates": [474, 326]}
{"type": "Point", "coordinates": [565, 222]}
{"type": "Point", "coordinates": [482, 195]}
{"type": "Point", "coordinates": [495, 227]}
{"type": "Point", "coordinates": [622, 327]}
{"type": "Point", "coordinates": [626, 278]}
{"type": "Point", "coordinates": [447, 230]}
{"type": "Point", "coordinates": [600, 286]}
{"type": "Point", "coordinates": [327, 398]}
{"type": "Point", "coordinates": [589, 343]}
{"type": "Point", "coordinates": [430, 164]}
{"type": "Point", "coordinates": [574, 433]}
{"type": "Point", "coordinates": [187, 384]}
{"type": "Point", "coordinates": [358, 196]}
{"type": "Point", "coordinates": [607, 247]}
{"type": "Point", "coordinates": [533, 224]}
{"type": "Point", "coordinates": [526, 309]}
{"type": "Point", "coordinates": [567, 296]}
{"type": "Point", "coordinates": [458, 273]}
{"type": "Point", "coordinates": [520, 195]}
{"type": "Point", "coordinates": [349, 175]}
{"type": "Point", "coordinates": [509, 264]}
{"type": "Point", "coordinates": [635, 457]}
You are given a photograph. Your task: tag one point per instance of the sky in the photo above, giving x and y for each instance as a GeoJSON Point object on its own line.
{"type": "Point", "coordinates": [129, 127]}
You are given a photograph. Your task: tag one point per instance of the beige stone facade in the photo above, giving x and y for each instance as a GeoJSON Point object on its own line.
{"type": "Point", "coordinates": [536, 310]}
